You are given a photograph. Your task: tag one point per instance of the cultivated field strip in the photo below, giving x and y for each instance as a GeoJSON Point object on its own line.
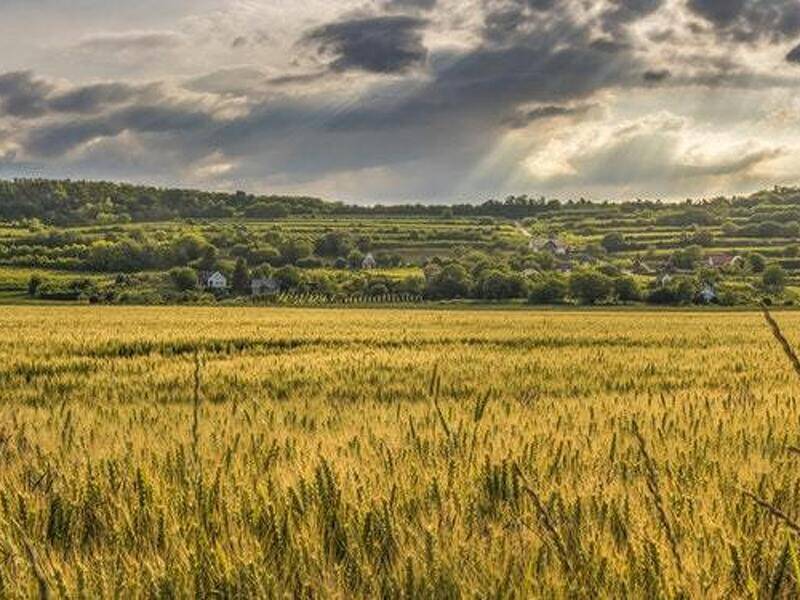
{"type": "Point", "coordinates": [185, 452]}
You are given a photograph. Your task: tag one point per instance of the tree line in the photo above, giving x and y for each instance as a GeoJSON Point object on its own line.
{"type": "Point", "coordinates": [67, 202]}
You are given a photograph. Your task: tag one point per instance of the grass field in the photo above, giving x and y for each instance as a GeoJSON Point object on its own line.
{"type": "Point", "coordinates": [353, 453]}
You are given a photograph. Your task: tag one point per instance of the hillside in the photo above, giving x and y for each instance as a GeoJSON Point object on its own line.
{"type": "Point", "coordinates": [118, 243]}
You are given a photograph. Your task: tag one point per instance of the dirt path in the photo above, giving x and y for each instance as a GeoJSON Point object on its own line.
{"type": "Point", "coordinates": [524, 232]}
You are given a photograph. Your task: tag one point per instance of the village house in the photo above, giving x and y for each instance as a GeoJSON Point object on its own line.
{"type": "Point", "coordinates": [640, 267]}
{"type": "Point", "coordinates": [707, 294]}
{"type": "Point", "coordinates": [265, 286]}
{"type": "Point", "coordinates": [663, 279]}
{"type": "Point", "coordinates": [369, 262]}
{"type": "Point", "coordinates": [721, 261]}
{"type": "Point", "coordinates": [212, 280]}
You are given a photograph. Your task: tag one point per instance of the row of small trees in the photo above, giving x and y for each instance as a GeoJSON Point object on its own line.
{"type": "Point", "coordinates": [587, 287]}
{"type": "Point", "coordinates": [592, 286]}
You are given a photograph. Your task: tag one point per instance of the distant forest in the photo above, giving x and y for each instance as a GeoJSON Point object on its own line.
{"type": "Point", "coordinates": [71, 203]}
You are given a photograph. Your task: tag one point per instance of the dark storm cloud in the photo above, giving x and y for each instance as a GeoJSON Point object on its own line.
{"type": "Point", "coordinates": [410, 4]}
{"type": "Point", "coordinates": [522, 119]}
{"type": "Point", "coordinates": [59, 139]}
{"type": "Point", "coordinates": [553, 63]}
{"type": "Point", "coordinates": [25, 96]}
{"type": "Point", "coordinates": [300, 78]}
{"type": "Point", "coordinates": [656, 76]}
{"type": "Point", "coordinates": [540, 4]}
{"type": "Point", "coordinates": [22, 95]}
{"type": "Point", "coordinates": [502, 23]}
{"type": "Point", "coordinates": [505, 20]}
{"type": "Point", "coordinates": [720, 12]}
{"type": "Point", "coordinates": [537, 70]}
{"type": "Point", "coordinates": [751, 20]}
{"type": "Point", "coordinates": [554, 60]}
{"type": "Point", "coordinates": [794, 55]}
{"type": "Point", "coordinates": [56, 140]}
{"type": "Point", "coordinates": [92, 98]}
{"type": "Point", "coordinates": [623, 12]}
{"type": "Point", "coordinates": [385, 44]}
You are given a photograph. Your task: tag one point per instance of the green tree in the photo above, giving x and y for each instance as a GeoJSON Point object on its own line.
{"type": "Point", "coordinates": [614, 242]}
{"type": "Point", "coordinates": [183, 278]}
{"type": "Point", "coordinates": [684, 290]}
{"type": "Point", "coordinates": [626, 289]}
{"type": "Point", "coordinates": [333, 243]}
{"type": "Point", "coordinates": [590, 287]}
{"type": "Point", "coordinates": [188, 247]}
{"type": "Point", "coordinates": [34, 283]}
{"type": "Point", "coordinates": [702, 237]}
{"type": "Point", "coordinates": [289, 277]}
{"type": "Point", "coordinates": [364, 243]}
{"type": "Point", "coordinates": [264, 253]}
{"type": "Point", "coordinates": [595, 250]}
{"type": "Point", "coordinates": [355, 258]}
{"type": "Point", "coordinates": [413, 284]}
{"type": "Point", "coordinates": [774, 279]}
{"type": "Point", "coordinates": [729, 229]}
{"type": "Point", "coordinates": [549, 290]}
{"type": "Point", "coordinates": [501, 285]}
{"type": "Point", "coordinates": [240, 282]}
{"type": "Point", "coordinates": [687, 258]}
{"type": "Point", "coordinates": [756, 262]}
{"type": "Point", "coordinates": [544, 261]}
{"type": "Point", "coordinates": [266, 210]}
{"type": "Point", "coordinates": [208, 261]}
{"type": "Point", "coordinates": [451, 281]}
{"type": "Point", "coordinates": [294, 249]}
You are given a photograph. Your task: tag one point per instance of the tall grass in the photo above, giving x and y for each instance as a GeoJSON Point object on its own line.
{"type": "Point", "coordinates": [396, 454]}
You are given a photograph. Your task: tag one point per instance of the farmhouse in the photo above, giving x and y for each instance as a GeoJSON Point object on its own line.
{"type": "Point", "coordinates": [369, 262]}
{"type": "Point", "coordinates": [265, 286]}
{"type": "Point", "coordinates": [212, 280]}
{"type": "Point", "coordinates": [551, 245]}
{"type": "Point", "coordinates": [720, 261]}
{"type": "Point", "coordinates": [707, 294]}
{"type": "Point", "coordinates": [640, 267]}
{"type": "Point", "coordinates": [664, 279]}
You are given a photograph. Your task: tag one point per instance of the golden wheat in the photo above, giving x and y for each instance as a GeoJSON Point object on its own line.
{"type": "Point", "coordinates": [175, 452]}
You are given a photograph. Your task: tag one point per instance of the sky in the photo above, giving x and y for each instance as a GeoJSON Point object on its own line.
{"type": "Point", "coordinates": [389, 101]}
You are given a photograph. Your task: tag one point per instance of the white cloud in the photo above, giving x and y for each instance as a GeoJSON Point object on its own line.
{"type": "Point", "coordinates": [661, 155]}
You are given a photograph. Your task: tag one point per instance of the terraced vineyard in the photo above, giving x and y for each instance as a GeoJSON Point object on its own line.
{"type": "Point", "coordinates": [275, 452]}
{"type": "Point", "coordinates": [766, 225]}
{"type": "Point", "coordinates": [412, 238]}
{"type": "Point", "coordinates": [110, 243]}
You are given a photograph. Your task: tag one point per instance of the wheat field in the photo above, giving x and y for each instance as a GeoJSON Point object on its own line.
{"type": "Point", "coordinates": [185, 452]}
